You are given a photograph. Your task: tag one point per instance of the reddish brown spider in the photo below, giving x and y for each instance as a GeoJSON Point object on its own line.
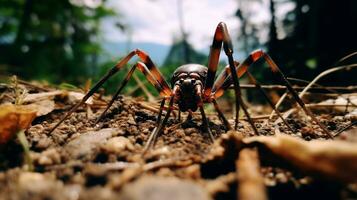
{"type": "Point", "coordinates": [193, 84]}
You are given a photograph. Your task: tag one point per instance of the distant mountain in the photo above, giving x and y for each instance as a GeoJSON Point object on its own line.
{"type": "Point", "coordinates": [157, 52]}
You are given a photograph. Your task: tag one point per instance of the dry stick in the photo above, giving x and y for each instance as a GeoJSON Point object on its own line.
{"type": "Point", "coordinates": [250, 181]}
{"type": "Point", "coordinates": [315, 80]}
{"type": "Point", "coordinates": [151, 98]}
{"type": "Point", "coordinates": [316, 87]}
{"type": "Point", "coordinates": [347, 67]}
{"type": "Point", "coordinates": [307, 82]}
{"type": "Point", "coordinates": [345, 128]}
{"type": "Point", "coordinates": [278, 104]}
{"type": "Point", "coordinates": [330, 89]}
{"type": "Point", "coordinates": [348, 56]}
{"type": "Point", "coordinates": [282, 98]}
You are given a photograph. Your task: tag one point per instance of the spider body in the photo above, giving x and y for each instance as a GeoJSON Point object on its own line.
{"type": "Point", "coordinates": [189, 79]}
{"type": "Point", "coordinates": [194, 84]}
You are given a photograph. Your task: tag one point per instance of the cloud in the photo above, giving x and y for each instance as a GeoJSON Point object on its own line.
{"type": "Point", "coordinates": [157, 21]}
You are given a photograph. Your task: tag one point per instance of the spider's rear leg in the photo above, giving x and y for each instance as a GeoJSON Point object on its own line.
{"type": "Point", "coordinates": [255, 56]}
{"type": "Point", "coordinates": [265, 95]}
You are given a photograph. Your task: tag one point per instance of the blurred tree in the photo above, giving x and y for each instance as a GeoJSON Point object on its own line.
{"type": "Point", "coordinates": [248, 37]}
{"type": "Point", "coordinates": [307, 40]}
{"type": "Point", "coordinates": [176, 54]}
{"type": "Point", "coordinates": [318, 33]}
{"type": "Point", "coordinates": [50, 39]}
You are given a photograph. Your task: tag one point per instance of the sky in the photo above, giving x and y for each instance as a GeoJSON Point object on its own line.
{"type": "Point", "coordinates": [157, 21]}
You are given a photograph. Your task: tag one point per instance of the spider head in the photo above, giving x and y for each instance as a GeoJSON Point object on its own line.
{"type": "Point", "coordinates": [189, 79]}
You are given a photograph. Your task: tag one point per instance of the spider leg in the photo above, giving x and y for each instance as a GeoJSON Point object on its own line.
{"type": "Point", "coordinates": [153, 136]}
{"type": "Point", "coordinates": [118, 66]}
{"type": "Point", "coordinates": [198, 89]}
{"type": "Point", "coordinates": [217, 84]}
{"type": "Point", "coordinates": [221, 36]}
{"type": "Point", "coordinates": [265, 95]}
{"type": "Point", "coordinates": [206, 124]}
{"type": "Point", "coordinates": [252, 58]}
{"type": "Point", "coordinates": [142, 68]}
{"type": "Point", "coordinates": [162, 104]}
{"type": "Point", "coordinates": [221, 115]}
{"type": "Point", "coordinates": [222, 81]}
{"type": "Point", "coordinates": [179, 115]}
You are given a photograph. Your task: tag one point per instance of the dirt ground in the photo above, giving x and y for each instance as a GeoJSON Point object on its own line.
{"type": "Point", "coordinates": [82, 159]}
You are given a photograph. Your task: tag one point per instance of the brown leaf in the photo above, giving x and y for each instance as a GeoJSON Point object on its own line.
{"type": "Point", "coordinates": [14, 118]}
{"type": "Point", "coordinates": [42, 107]}
{"type": "Point", "coordinates": [331, 159]}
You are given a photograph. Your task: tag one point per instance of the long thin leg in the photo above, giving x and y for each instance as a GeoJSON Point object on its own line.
{"type": "Point", "coordinates": [198, 90]}
{"type": "Point", "coordinates": [221, 79]}
{"type": "Point", "coordinates": [253, 57]}
{"type": "Point", "coordinates": [115, 96]}
{"type": "Point", "coordinates": [221, 115]}
{"type": "Point", "coordinates": [206, 124]}
{"type": "Point", "coordinates": [265, 95]}
{"type": "Point", "coordinates": [221, 36]}
{"type": "Point", "coordinates": [160, 111]}
{"type": "Point", "coordinates": [146, 60]}
{"type": "Point", "coordinates": [179, 116]}
{"type": "Point", "coordinates": [153, 136]}
{"type": "Point", "coordinates": [142, 68]}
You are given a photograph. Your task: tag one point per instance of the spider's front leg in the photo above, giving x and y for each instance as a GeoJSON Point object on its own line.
{"type": "Point", "coordinates": [221, 36]}
{"type": "Point", "coordinates": [155, 133]}
{"type": "Point", "coordinates": [147, 67]}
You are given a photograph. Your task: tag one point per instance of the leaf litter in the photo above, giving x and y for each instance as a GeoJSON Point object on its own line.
{"type": "Point", "coordinates": [84, 160]}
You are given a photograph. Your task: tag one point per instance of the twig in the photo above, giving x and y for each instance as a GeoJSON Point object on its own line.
{"type": "Point", "coordinates": [26, 147]}
{"type": "Point", "coordinates": [151, 98]}
{"type": "Point", "coordinates": [351, 88]}
{"type": "Point", "coordinates": [348, 56]}
{"type": "Point", "coordinates": [324, 73]}
{"type": "Point", "coordinates": [250, 181]}
{"type": "Point", "coordinates": [345, 128]}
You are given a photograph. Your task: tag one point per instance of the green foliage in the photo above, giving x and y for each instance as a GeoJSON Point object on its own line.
{"type": "Point", "coordinates": [51, 39]}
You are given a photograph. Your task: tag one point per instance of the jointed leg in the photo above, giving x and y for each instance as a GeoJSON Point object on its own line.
{"type": "Point", "coordinates": [206, 124]}
{"type": "Point", "coordinates": [257, 55]}
{"type": "Point", "coordinates": [221, 36]}
{"type": "Point", "coordinates": [142, 68]}
{"type": "Point", "coordinates": [179, 115]}
{"type": "Point", "coordinates": [221, 115]}
{"type": "Point", "coordinates": [253, 57]}
{"type": "Point", "coordinates": [257, 85]}
{"type": "Point", "coordinates": [162, 104]}
{"type": "Point", "coordinates": [115, 96]}
{"type": "Point", "coordinates": [146, 60]}
{"type": "Point", "coordinates": [153, 136]}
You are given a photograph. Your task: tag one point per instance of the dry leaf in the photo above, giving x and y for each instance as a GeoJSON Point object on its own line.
{"type": "Point", "coordinates": [42, 107]}
{"type": "Point", "coordinates": [332, 159]}
{"type": "Point", "coordinates": [14, 118]}
{"type": "Point", "coordinates": [77, 96]}
{"type": "Point", "coordinates": [30, 98]}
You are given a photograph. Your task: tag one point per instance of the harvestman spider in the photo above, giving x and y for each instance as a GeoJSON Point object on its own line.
{"type": "Point", "coordinates": [193, 85]}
